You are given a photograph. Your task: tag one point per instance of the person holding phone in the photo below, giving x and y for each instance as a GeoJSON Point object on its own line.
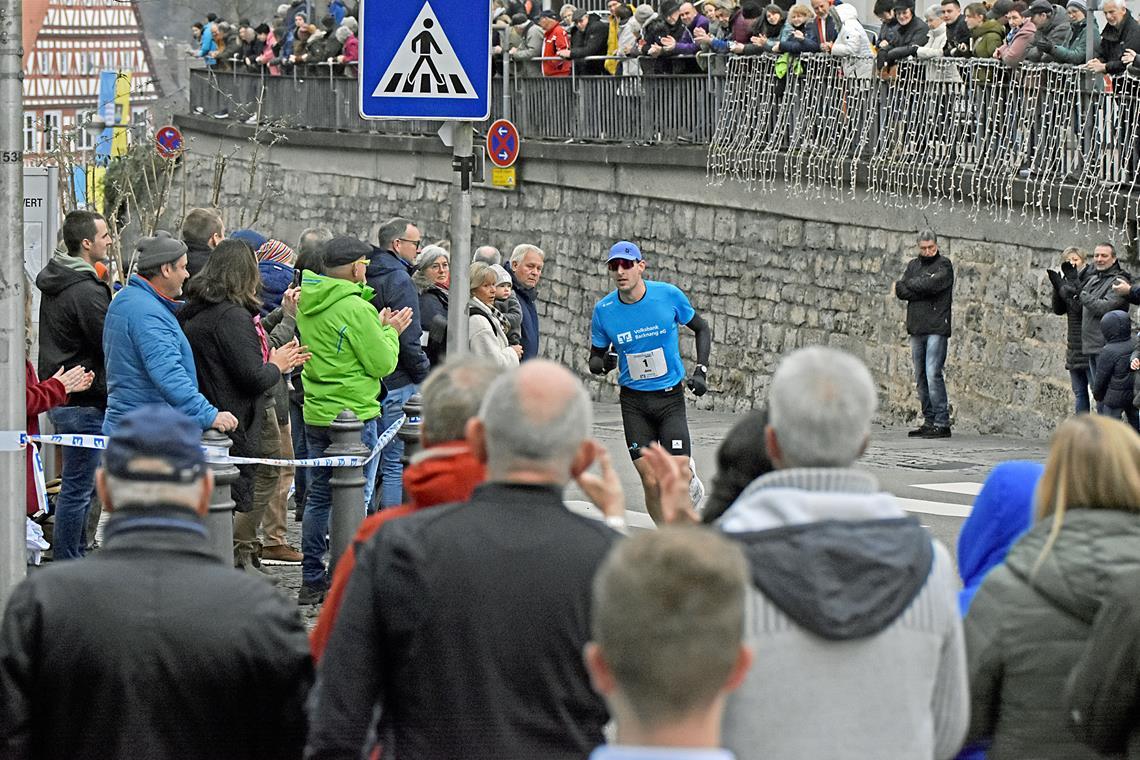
{"type": "Point", "coordinates": [639, 321]}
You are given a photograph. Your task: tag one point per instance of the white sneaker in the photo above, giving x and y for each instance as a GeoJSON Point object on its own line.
{"type": "Point", "coordinates": [696, 487]}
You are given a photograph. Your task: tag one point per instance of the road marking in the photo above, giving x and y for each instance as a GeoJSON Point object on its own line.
{"type": "Point", "coordinates": [935, 507]}
{"type": "Point", "coordinates": [966, 489]}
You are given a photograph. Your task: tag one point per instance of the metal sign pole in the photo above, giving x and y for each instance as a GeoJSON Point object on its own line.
{"type": "Point", "coordinates": [463, 161]}
{"type": "Point", "coordinates": [13, 557]}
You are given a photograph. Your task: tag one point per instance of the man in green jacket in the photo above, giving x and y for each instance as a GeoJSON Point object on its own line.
{"type": "Point", "coordinates": [353, 347]}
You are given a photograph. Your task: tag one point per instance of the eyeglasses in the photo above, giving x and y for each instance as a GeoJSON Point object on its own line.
{"type": "Point", "coordinates": [621, 263]}
{"type": "Point", "coordinates": [417, 243]}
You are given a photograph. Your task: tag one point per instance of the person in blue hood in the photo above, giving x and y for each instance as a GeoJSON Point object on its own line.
{"type": "Point", "coordinates": [1112, 382]}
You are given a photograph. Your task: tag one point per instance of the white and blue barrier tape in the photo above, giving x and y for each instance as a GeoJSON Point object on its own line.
{"type": "Point", "coordinates": [13, 441]}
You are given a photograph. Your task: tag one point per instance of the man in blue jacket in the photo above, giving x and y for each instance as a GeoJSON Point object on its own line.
{"type": "Point", "coordinates": [390, 275]}
{"type": "Point", "coordinates": [148, 358]}
{"type": "Point", "coordinates": [526, 270]}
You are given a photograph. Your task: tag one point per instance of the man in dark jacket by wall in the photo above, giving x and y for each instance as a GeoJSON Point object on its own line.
{"type": "Point", "coordinates": [390, 275]}
{"type": "Point", "coordinates": [1121, 33]}
{"type": "Point", "coordinates": [202, 230]}
{"type": "Point", "coordinates": [957, 33]}
{"type": "Point", "coordinates": [927, 286]}
{"type": "Point", "coordinates": [526, 270]}
{"type": "Point", "coordinates": [465, 623]}
{"type": "Point", "coordinates": [588, 38]}
{"type": "Point", "coordinates": [219, 671]}
{"type": "Point", "coordinates": [72, 310]}
{"type": "Point", "coordinates": [1098, 297]}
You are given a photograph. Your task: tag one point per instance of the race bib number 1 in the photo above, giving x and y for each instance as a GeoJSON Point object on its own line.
{"type": "Point", "coordinates": [647, 365]}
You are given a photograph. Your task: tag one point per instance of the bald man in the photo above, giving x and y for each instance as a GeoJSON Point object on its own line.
{"type": "Point", "coordinates": [491, 595]}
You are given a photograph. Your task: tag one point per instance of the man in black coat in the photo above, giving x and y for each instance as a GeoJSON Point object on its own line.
{"type": "Point", "coordinates": [957, 33]}
{"type": "Point", "coordinates": [465, 624]}
{"type": "Point", "coordinates": [390, 275]}
{"type": "Point", "coordinates": [72, 310]}
{"type": "Point", "coordinates": [152, 648]}
{"type": "Point", "coordinates": [588, 38]}
{"type": "Point", "coordinates": [1121, 33]}
{"type": "Point", "coordinates": [927, 286]}
{"type": "Point", "coordinates": [905, 38]}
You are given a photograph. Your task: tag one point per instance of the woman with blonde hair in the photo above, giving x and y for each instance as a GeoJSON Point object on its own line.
{"type": "Point", "coordinates": [1067, 283]}
{"type": "Point", "coordinates": [1029, 621]}
{"type": "Point", "coordinates": [487, 329]}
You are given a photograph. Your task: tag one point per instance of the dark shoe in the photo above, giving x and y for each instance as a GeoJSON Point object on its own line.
{"type": "Point", "coordinates": [921, 432]}
{"type": "Point", "coordinates": [938, 431]}
{"type": "Point", "coordinates": [310, 595]}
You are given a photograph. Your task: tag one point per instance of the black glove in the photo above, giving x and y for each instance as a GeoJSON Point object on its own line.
{"type": "Point", "coordinates": [698, 382]}
{"type": "Point", "coordinates": [1068, 269]}
{"type": "Point", "coordinates": [1045, 46]}
{"type": "Point", "coordinates": [610, 363]}
{"type": "Point", "coordinates": [898, 53]}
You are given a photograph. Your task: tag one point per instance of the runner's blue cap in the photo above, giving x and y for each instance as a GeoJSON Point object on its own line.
{"type": "Point", "coordinates": [156, 443]}
{"type": "Point", "coordinates": [623, 249]}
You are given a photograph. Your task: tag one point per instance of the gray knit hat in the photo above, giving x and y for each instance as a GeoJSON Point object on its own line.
{"type": "Point", "coordinates": [153, 252]}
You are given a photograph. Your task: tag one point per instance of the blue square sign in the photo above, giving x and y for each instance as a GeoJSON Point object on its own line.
{"type": "Point", "coordinates": [425, 59]}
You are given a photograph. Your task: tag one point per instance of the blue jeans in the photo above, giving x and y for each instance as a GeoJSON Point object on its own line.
{"type": "Point", "coordinates": [392, 488]}
{"type": "Point", "coordinates": [928, 352]}
{"type": "Point", "coordinates": [318, 503]}
{"type": "Point", "coordinates": [1079, 379]}
{"type": "Point", "coordinates": [78, 482]}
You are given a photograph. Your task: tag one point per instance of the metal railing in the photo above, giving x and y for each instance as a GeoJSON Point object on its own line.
{"type": "Point", "coordinates": [1045, 135]}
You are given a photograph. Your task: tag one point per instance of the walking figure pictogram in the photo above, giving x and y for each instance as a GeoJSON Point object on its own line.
{"type": "Point", "coordinates": [423, 44]}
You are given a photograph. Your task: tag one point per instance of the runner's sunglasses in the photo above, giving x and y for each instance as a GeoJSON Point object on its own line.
{"type": "Point", "coordinates": [622, 263]}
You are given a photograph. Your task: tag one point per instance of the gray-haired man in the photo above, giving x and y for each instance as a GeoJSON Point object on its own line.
{"type": "Point", "coordinates": [850, 596]}
{"type": "Point", "coordinates": [492, 596]}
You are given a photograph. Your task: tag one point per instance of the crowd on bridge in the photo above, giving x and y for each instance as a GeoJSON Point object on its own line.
{"type": "Point", "coordinates": [475, 615]}
{"type": "Point", "coordinates": [685, 37]}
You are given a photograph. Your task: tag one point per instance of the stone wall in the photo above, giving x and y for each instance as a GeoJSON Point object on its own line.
{"type": "Point", "coordinates": [770, 272]}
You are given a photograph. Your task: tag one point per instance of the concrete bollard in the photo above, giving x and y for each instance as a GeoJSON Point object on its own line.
{"type": "Point", "coordinates": [220, 518]}
{"type": "Point", "coordinates": [346, 484]}
{"type": "Point", "coordinates": [410, 431]}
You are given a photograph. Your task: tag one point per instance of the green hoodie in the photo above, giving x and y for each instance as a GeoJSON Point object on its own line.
{"type": "Point", "coordinates": [351, 350]}
{"type": "Point", "coordinates": [988, 37]}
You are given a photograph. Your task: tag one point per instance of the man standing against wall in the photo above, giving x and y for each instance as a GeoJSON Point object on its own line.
{"type": "Point", "coordinates": [202, 230]}
{"type": "Point", "coordinates": [390, 275]}
{"type": "Point", "coordinates": [526, 270]}
{"type": "Point", "coordinates": [1105, 289]}
{"type": "Point", "coordinates": [639, 321]}
{"type": "Point", "coordinates": [72, 311]}
{"type": "Point", "coordinates": [927, 286]}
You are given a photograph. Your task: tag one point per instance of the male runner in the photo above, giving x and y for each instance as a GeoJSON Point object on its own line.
{"type": "Point", "coordinates": [639, 320]}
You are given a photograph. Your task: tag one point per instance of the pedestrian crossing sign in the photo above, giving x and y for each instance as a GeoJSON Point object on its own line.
{"type": "Point", "coordinates": [425, 59]}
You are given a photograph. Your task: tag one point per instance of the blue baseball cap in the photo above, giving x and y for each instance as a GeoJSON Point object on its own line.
{"type": "Point", "coordinates": [251, 238]}
{"type": "Point", "coordinates": [156, 443]}
{"type": "Point", "coordinates": [623, 249]}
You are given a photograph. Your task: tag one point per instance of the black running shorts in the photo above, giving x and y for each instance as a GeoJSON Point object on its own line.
{"type": "Point", "coordinates": [655, 416]}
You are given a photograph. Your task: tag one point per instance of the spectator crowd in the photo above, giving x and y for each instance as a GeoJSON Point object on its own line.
{"type": "Point", "coordinates": [672, 37]}
{"type": "Point", "coordinates": [801, 614]}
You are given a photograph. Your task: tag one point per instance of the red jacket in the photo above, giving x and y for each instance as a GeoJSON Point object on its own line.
{"type": "Point", "coordinates": [552, 42]}
{"type": "Point", "coordinates": [440, 474]}
{"type": "Point", "coordinates": [39, 397]}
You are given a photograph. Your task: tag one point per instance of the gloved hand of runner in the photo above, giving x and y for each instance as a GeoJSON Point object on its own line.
{"type": "Point", "coordinates": [610, 363]}
{"type": "Point", "coordinates": [698, 382]}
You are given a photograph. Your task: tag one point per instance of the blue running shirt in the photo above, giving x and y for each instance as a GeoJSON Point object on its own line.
{"type": "Point", "coordinates": [644, 334]}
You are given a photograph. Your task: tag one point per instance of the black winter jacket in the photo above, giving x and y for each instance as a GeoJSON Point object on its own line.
{"type": "Point", "coordinates": [1097, 299]}
{"type": "Point", "coordinates": [196, 256]}
{"type": "Point", "coordinates": [390, 277]}
{"type": "Point", "coordinates": [1112, 383]}
{"type": "Point", "coordinates": [1104, 690]}
{"type": "Point", "coordinates": [591, 42]}
{"type": "Point", "coordinates": [452, 647]}
{"type": "Point", "coordinates": [433, 320]}
{"type": "Point", "coordinates": [927, 286]}
{"type": "Point", "coordinates": [72, 311]}
{"type": "Point", "coordinates": [1066, 300]}
{"type": "Point", "coordinates": [179, 655]}
{"type": "Point", "coordinates": [1115, 40]}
